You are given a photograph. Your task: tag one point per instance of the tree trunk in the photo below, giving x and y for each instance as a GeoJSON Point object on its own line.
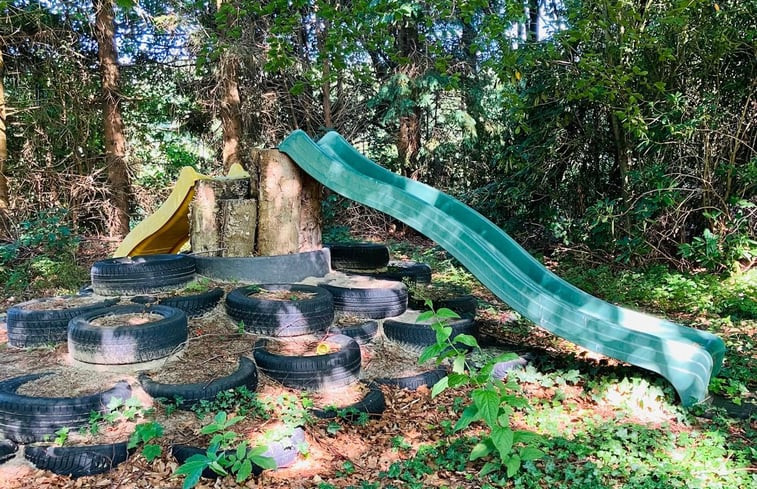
{"type": "Point", "coordinates": [533, 20]}
{"type": "Point", "coordinates": [409, 133]}
{"type": "Point", "coordinates": [311, 217]}
{"type": "Point", "coordinates": [223, 218]}
{"type": "Point", "coordinates": [4, 197]}
{"type": "Point", "coordinates": [470, 80]}
{"type": "Point", "coordinates": [279, 204]}
{"type": "Point", "coordinates": [409, 142]}
{"type": "Point", "coordinates": [231, 114]}
{"type": "Point", "coordinates": [326, 84]}
{"type": "Point", "coordinates": [113, 126]}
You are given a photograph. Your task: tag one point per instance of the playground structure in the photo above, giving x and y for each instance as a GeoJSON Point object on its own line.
{"type": "Point", "coordinates": [686, 357]}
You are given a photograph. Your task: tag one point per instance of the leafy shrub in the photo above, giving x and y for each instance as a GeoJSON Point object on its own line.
{"type": "Point", "coordinates": [42, 256]}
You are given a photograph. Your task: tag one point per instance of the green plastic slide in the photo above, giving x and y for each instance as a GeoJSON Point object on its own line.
{"type": "Point", "coordinates": [685, 356]}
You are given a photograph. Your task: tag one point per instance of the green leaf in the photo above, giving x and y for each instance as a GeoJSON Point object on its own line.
{"type": "Point", "coordinates": [513, 465]}
{"type": "Point", "coordinates": [442, 333]}
{"type": "Point", "coordinates": [114, 403]}
{"type": "Point", "coordinates": [424, 316]}
{"type": "Point", "coordinates": [480, 450]}
{"type": "Point", "coordinates": [134, 440]}
{"type": "Point", "coordinates": [195, 462]}
{"type": "Point", "coordinates": [333, 427]}
{"type": "Point", "coordinates": [241, 450]}
{"type": "Point", "coordinates": [216, 467]}
{"type": "Point", "coordinates": [515, 401]}
{"type": "Point", "coordinates": [469, 415]}
{"type": "Point", "coordinates": [525, 437]}
{"type": "Point", "coordinates": [488, 468]}
{"type": "Point", "coordinates": [439, 387]}
{"type": "Point", "coordinates": [445, 313]}
{"type": "Point", "coordinates": [487, 403]}
{"type": "Point", "coordinates": [456, 380]}
{"type": "Point", "coordinates": [244, 471]}
{"type": "Point", "coordinates": [466, 339]}
{"type": "Point", "coordinates": [458, 366]}
{"type": "Point", "coordinates": [430, 352]}
{"type": "Point", "coordinates": [264, 462]}
{"type": "Point", "coordinates": [150, 452]}
{"type": "Point", "coordinates": [192, 478]}
{"type": "Point", "coordinates": [530, 453]}
{"type": "Point", "coordinates": [258, 450]}
{"type": "Point", "coordinates": [503, 441]}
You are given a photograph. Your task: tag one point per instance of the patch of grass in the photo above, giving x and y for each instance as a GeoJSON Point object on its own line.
{"type": "Point", "coordinates": [240, 400]}
{"type": "Point", "coordinates": [662, 289]}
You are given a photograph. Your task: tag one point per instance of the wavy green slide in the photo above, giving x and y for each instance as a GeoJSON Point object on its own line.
{"type": "Point", "coordinates": [686, 357]}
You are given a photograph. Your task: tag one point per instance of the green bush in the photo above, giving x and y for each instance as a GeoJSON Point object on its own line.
{"type": "Point", "coordinates": [42, 256]}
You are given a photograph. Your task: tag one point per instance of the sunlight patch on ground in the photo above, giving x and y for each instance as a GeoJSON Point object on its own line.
{"type": "Point", "coordinates": [638, 399]}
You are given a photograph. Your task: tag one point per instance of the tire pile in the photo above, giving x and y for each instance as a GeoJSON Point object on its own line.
{"type": "Point", "coordinates": [100, 332]}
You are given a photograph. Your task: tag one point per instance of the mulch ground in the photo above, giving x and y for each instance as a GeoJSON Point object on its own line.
{"type": "Point", "coordinates": [213, 349]}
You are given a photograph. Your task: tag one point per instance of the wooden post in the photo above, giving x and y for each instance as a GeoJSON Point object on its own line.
{"type": "Point", "coordinates": [223, 217]}
{"type": "Point", "coordinates": [279, 209]}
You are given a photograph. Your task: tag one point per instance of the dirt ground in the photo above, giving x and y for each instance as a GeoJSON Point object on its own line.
{"type": "Point", "coordinates": [213, 350]}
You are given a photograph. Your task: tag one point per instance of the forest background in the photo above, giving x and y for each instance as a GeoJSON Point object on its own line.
{"type": "Point", "coordinates": [621, 129]}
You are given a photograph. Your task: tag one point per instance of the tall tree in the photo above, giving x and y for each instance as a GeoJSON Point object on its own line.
{"type": "Point", "coordinates": [4, 199]}
{"type": "Point", "coordinates": [113, 126]}
{"type": "Point", "coordinates": [227, 20]}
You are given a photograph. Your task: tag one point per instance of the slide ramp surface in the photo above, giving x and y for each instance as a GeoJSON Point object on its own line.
{"type": "Point", "coordinates": [686, 357]}
{"type": "Point", "coordinates": [166, 230]}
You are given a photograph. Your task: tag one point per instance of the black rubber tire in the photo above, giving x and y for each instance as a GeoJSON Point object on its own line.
{"type": "Point", "coordinates": [245, 375]}
{"type": "Point", "coordinates": [77, 461]}
{"type": "Point", "coordinates": [144, 299]}
{"type": "Point", "coordinates": [26, 419]}
{"type": "Point", "coordinates": [196, 304]}
{"type": "Point", "coordinates": [464, 305]}
{"type": "Point", "coordinates": [373, 303]}
{"type": "Point", "coordinates": [284, 453]}
{"type": "Point", "coordinates": [281, 318]}
{"type": "Point", "coordinates": [30, 328]}
{"type": "Point", "coordinates": [8, 450]}
{"type": "Point", "coordinates": [351, 257]}
{"type": "Point", "coordinates": [280, 269]}
{"type": "Point", "coordinates": [127, 344]}
{"type": "Point", "coordinates": [141, 274]}
{"type": "Point", "coordinates": [363, 332]}
{"type": "Point", "coordinates": [422, 334]}
{"type": "Point", "coordinates": [413, 382]}
{"type": "Point", "coordinates": [315, 372]}
{"type": "Point", "coordinates": [419, 273]}
{"type": "Point", "coordinates": [373, 404]}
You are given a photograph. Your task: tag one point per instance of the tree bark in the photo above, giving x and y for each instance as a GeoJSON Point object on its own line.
{"type": "Point", "coordinates": [409, 141]}
{"type": "Point", "coordinates": [4, 197]}
{"type": "Point", "coordinates": [231, 113]}
{"type": "Point", "coordinates": [279, 204]}
{"type": "Point", "coordinates": [409, 133]}
{"type": "Point", "coordinates": [113, 126]}
{"type": "Point", "coordinates": [223, 218]}
{"type": "Point", "coordinates": [326, 83]}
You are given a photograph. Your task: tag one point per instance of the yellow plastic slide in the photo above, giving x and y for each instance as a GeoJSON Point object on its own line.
{"type": "Point", "coordinates": [166, 230]}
